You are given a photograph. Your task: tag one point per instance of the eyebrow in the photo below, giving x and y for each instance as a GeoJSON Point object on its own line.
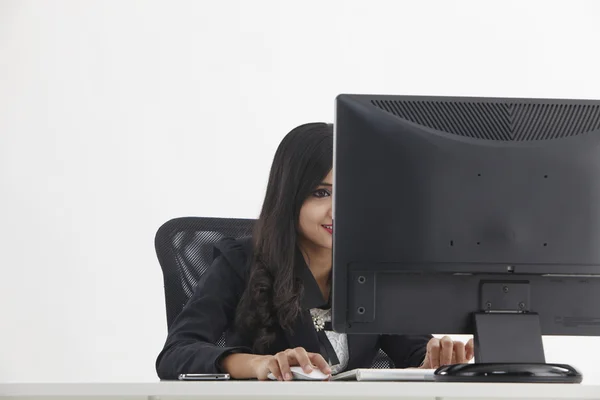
{"type": "Point", "coordinates": [326, 184]}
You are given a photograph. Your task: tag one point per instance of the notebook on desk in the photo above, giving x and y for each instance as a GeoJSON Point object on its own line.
{"type": "Point", "coordinates": [385, 374]}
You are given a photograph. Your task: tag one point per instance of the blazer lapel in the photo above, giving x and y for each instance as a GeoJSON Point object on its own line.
{"type": "Point", "coordinates": [304, 334]}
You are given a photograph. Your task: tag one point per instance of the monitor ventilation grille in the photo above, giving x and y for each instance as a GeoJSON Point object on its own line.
{"type": "Point", "coordinates": [498, 121]}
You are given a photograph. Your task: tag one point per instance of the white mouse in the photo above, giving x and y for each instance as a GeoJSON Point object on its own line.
{"type": "Point", "coordinates": [299, 375]}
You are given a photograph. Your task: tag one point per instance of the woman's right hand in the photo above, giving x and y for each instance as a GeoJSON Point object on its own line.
{"type": "Point", "coordinates": [279, 364]}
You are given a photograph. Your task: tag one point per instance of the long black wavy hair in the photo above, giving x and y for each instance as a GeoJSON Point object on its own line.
{"type": "Point", "coordinates": [302, 160]}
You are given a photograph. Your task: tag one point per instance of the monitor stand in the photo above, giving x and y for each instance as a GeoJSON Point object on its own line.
{"type": "Point", "coordinates": [508, 348]}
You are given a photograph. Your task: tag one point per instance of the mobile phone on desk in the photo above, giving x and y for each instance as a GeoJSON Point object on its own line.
{"type": "Point", "coordinates": [203, 377]}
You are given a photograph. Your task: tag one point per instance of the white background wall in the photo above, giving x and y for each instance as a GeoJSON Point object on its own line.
{"type": "Point", "coordinates": [116, 116]}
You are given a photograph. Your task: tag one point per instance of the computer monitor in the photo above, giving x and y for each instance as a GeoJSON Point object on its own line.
{"type": "Point", "coordinates": [458, 215]}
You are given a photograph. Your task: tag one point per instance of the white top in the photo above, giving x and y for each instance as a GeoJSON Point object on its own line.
{"type": "Point", "coordinates": [339, 341]}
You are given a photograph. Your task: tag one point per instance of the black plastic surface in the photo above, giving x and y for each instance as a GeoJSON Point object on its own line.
{"type": "Point", "coordinates": [508, 372]}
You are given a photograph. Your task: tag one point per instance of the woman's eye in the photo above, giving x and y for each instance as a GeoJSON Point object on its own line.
{"type": "Point", "coordinates": [322, 193]}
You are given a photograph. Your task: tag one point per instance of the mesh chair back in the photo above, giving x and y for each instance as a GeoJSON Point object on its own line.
{"type": "Point", "coordinates": [184, 247]}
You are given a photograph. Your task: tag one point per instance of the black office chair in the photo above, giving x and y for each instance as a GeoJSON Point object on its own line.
{"type": "Point", "coordinates": [184, 247]}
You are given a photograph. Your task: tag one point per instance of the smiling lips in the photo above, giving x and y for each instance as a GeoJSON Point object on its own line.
{"type": "Point", "coordinates": [328, 228]}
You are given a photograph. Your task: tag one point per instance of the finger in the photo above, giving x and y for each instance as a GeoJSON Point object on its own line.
{"type": "Point", "coordinates": [433, 351]}
{"type": "Point", "coordinates": [446, 347]}
{"type": "Point", "coordinates": [303, 360]}
{"type": "Point", "coordinates": [319, 362]}
{"type": "Point", "coordinates": [273, 367]}
{"type": "Point", "coordinates": [458, 356]}
{"type": "Point", "coordinates": [469, 350]}
{"type": "Point", "coordinates": [284, 365]}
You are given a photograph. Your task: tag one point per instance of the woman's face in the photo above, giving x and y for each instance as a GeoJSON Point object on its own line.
{"type": "Point", "coordinates": [316, 218]}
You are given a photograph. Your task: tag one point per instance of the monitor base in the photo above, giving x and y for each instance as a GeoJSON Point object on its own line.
{"type": "Point", "coordinates": [508, 372]}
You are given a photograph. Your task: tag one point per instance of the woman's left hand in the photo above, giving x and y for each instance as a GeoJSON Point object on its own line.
{"type": "Point", "coordinates": [444, 351]}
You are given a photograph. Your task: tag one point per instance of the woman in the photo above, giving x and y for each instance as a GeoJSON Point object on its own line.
{"type": "Point", "coordinates": [270, 294]}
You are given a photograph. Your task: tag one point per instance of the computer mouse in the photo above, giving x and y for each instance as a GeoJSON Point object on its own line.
{"type": "Point", "coordinates": [299, 375]}
{"type": "Point", "coordinates": [315, 375]}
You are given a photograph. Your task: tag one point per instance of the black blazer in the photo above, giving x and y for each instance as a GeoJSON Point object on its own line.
{"type": "Point", "coordinates": [190, 346]}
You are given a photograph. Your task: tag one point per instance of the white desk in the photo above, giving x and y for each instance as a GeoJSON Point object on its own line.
{"type": "Point", "coordinates": [296, 390]}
